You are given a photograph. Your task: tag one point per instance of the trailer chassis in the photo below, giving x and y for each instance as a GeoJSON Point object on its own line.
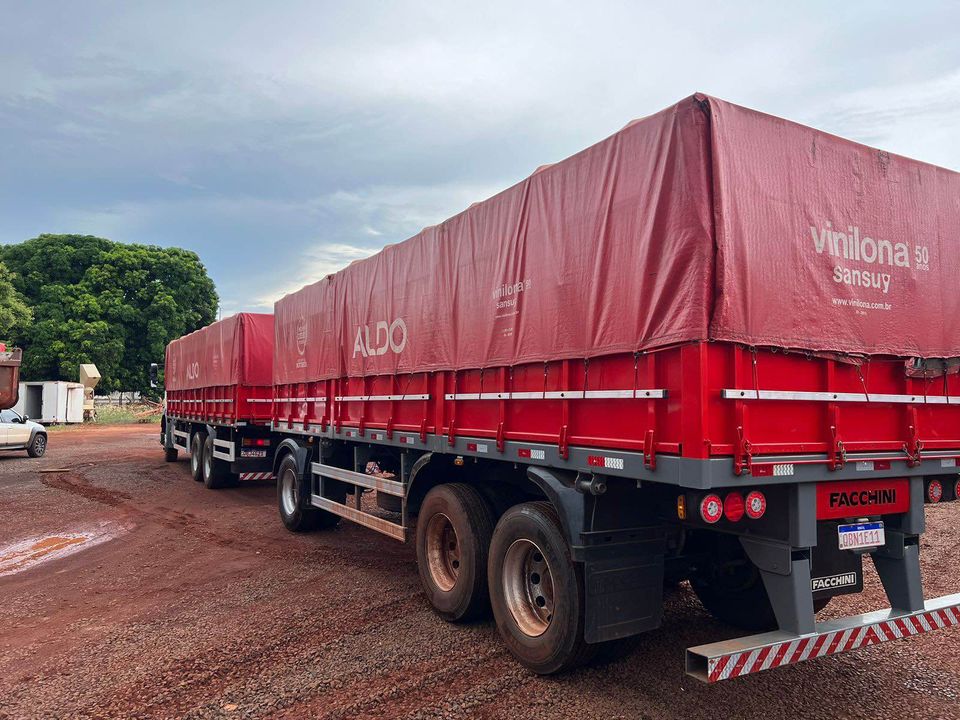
{"type": "Point", "coordinates": [228, 440]}
{"type": "Point", "coordinates": [620, 534]}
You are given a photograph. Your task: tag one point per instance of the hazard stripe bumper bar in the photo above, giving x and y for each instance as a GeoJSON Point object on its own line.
{"type": "Point", "coordinates": [743, 656]}
{"type": "Point", "coordinates": [256, 476]}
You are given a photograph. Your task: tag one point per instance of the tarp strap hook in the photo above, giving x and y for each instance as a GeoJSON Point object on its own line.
{"type": "Point", "coordinates": [863, 383]}
{"type": "Point", "coordinates": [636, 364]}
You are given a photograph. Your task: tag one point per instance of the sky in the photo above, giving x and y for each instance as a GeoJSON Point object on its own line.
{"type": "Point", "coordinates": [282, 140]}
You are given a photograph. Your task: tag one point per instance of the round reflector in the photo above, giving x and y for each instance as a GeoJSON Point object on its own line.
{"type": "Point", "coordinates": [756, 505]}
{"type": "Point", "coordinates": [711, 508]}
{"type": "Point", "coordinates": [934, 491]}
{"type": "Point", "coordinates": [733, 506]}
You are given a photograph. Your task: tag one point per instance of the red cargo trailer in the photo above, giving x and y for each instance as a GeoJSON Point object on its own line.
{"type": "Point", "coordinates": [716, 346]}
{"type": "Point", "coordinates": [218, 400]}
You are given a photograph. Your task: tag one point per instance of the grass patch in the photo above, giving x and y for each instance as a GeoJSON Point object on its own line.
{"type": "Point", "coordinates": [115, 415]}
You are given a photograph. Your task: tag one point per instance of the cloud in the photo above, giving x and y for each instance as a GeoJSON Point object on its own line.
{"type": "Point", "coordinates": [918, 118]}
{"type": "Point", "coordinates": [316, 263]}
{"type": "Point", "coordinates": [397, 212]}
{"type": "Point", "coordinates": [364, 221]}
{"type": "Point", "coordinates": [279, 142]}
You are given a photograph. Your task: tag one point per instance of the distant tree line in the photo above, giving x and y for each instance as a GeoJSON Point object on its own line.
{"type": "Point", "coordinates": [71, 299]}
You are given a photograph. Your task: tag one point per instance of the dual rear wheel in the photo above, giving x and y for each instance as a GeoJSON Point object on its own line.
{"type": "Point", "coordinates": [520, 567]}
{"type": "Point", "coordinates": [216, 472]}
{"type": "Point", "coordinates": [213, 472]}
{"type": "Point", "coordinates": [454, 529]}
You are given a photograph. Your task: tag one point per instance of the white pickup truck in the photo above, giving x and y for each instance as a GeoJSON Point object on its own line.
{"type": "Point", "coordinates": [18, 432]}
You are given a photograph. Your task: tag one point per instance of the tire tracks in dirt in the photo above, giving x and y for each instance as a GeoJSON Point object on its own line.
{"type": "Point", "coordinates": [76, 485]}
{"type": "Point", "coordinates": [409, 689]}
{"type": "Point", "coordinates": [212, 671]}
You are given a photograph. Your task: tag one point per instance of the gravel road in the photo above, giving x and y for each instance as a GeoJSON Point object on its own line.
{"type": "Point", "coordinates": [128, 590]}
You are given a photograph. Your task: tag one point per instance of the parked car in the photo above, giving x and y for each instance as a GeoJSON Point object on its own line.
{"type": "Point", "coordinates": [18, 432]}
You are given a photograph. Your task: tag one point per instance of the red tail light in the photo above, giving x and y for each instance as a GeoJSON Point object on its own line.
{"type": "Point", "coordinates": [711, 508]}
{"type": "Point", "coordinates": [756, 505]}
{"type": "Point", "coordinates": [733, 507]}
{"type": "Point", "coordinates": [255, 442]}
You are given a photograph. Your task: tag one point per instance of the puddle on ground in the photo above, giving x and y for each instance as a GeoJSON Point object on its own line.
{"type": "Point", "coordinates": [26, 554]}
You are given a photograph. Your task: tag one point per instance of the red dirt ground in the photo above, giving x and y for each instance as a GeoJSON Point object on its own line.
{"type": "Point", "coordinates": [198, 603]}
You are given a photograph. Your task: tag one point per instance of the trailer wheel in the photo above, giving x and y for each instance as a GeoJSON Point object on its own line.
{"type": "Point", "coordinates": [197, 442]}
{"type": "Point", "coordinates": [454, 528]}
{"type": "Point", "coordinates": [537, 590]}
{"type": "Point", "coordinates": [296, 517]}
{"type": "Point", "coordinates": [731, 588]}
{"type": "Point", "coordinates": [170, 454]}
{"type": "Point", "coordinates": [216, 472]}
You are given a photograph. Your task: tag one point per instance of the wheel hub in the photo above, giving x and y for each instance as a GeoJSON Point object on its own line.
{"type": "Point", "coordinates": [443, 552]}
{"type": "Point", "coordinates": [528, 587]}
{"type": "Point", "coordinates": [288, 493]}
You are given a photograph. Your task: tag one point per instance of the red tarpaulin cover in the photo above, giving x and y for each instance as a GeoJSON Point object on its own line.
{"type": "Point", "coordinates": [704, 221]}
{"type": "Point", "coordinates": [237, 350]}
{"type": "Point", "coordinates": [826, 244]}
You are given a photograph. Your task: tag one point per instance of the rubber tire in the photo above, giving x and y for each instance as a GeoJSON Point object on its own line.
{"type": "Point", "coordinates": [472, 519]}
{"type": "Point", "coordinates": [171, 454]}
{"type": "Point", "coordinates": [748, 606]}
{"type": "Point", "coordinates": [302, 519]}
{"type": "Point", "coordinates": [561, 647]}
{"type": "Point", "coordinates": [197, 441]}
{"type": "Point", "coordinates": [36, 449]}
{"type": "Point", "coordinates": [217, 475]}
{"type": "Point", "coordinates": [502, 497]}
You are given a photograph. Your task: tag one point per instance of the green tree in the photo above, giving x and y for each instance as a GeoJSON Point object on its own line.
{"type": "Point", "coordinates": [112, 304]}
{"type": "Point", "coordinates": [14, 314]}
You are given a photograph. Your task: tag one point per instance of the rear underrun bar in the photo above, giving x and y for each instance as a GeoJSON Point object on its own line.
{"type": "Point", "coordinates": [743, 656]}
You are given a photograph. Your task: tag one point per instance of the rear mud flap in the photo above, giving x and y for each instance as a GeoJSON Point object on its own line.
{"type": "Point", "coordinates": [623, 584]}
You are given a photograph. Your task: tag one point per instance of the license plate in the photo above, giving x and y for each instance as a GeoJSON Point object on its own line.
{"type": "Point", "coordinates": [860, 535]}
{"type": "Point", "coordinates": [253, 453]}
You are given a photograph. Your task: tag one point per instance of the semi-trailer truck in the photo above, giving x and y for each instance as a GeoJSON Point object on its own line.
{"type": "Point", "coordinates": [218, 400]}
{"type": "Point", "coordinates": [717, 347]}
